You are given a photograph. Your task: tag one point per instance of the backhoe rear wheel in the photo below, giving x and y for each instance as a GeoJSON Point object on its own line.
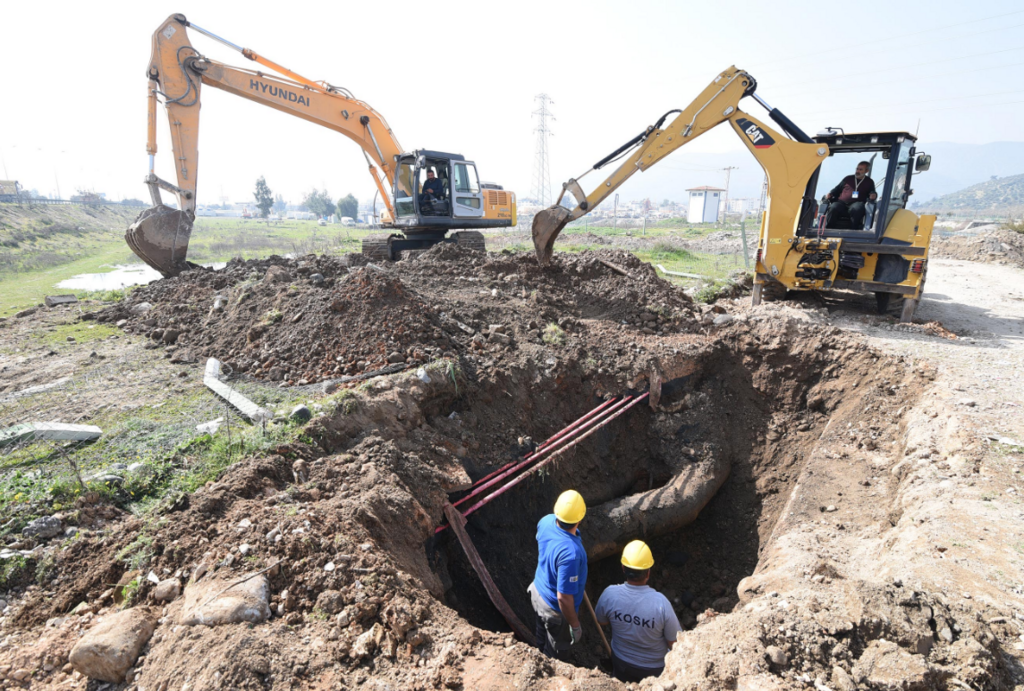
{"type": "Point", "coordinates": [882, 301]}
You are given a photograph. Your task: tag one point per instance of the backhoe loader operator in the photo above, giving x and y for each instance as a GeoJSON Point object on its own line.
{"type": "Point", "coordinates": [849, 196]}
{"type": "Point", "coordinates": [644, 625]}
{"type": "Point", "coordinates": [558, 585]}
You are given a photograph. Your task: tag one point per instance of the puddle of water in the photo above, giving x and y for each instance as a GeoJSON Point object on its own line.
{"type": "Point", "coordinates": [120, 277]}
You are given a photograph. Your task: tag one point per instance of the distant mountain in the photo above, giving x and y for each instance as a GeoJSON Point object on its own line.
{"type": "Point", "coordinates": [1001, 196]}
{"type": "Point", "coordinates": [956, 166]}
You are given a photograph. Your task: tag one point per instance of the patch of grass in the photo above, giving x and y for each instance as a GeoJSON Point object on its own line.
{"type": "Point", "coordinates": [131, 592]}
{"type": "Point", "coordinates": [137, 553]}
{"type": "Point", "coordinates": [272, 316]}
{"type": "Point", "coordinates": [709, 292]}
{"type": "Point", "coordinates": [82, 332]}
{"type": "Point", "coordinates": [210, 455]}
{"type": "Point", "coordinates": [553, 335]}
{"type": "Point", "coordinates": [115, 295]}
{"type": "Point", "coordinates": [45, 567]}
{"type": "Point", "coordinates": [13, 571]}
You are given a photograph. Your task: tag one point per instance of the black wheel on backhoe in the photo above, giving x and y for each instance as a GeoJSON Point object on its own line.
{"type": "Point", "coordinates": [882, 301]}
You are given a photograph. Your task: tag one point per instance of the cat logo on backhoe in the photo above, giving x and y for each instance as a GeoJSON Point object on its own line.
{"type": "Point", "coordinates": [757, 137]}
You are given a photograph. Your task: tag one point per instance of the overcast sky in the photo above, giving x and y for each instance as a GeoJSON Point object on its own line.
{"type": "Point", "coordinates": [462, 77]}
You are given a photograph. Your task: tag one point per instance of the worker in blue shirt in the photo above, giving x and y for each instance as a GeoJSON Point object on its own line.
{"type": "Point", "coordinates": [558, 585]}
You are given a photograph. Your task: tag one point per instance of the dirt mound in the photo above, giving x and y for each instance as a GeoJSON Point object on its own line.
{"type": "Point", "coordinates": [999, 246]}
{"type": "Point", "coordinates": [318, 318]}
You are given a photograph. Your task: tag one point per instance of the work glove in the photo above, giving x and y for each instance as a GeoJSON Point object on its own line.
{"type": "Point", "coordinates": [575, 634]}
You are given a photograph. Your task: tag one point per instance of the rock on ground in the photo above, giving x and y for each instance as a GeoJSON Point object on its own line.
{"type": "Point", "coordinates": [109, 649]}
{"type": "Point", "coordinates": [884, 665]}
{"type": "Point", "coordinates": [167, 590]}
{"type": "Point", "coordinates": [206, 604]}
{"type": "Point", "coordinates": [43, 527]}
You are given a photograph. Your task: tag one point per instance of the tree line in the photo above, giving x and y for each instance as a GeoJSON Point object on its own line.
{"type": "Point", "coordinates": [318, 202]}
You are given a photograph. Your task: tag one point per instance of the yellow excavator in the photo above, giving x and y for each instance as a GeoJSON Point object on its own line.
{"type": "Point", "coordinates": [177, 71]}
{"type": "Point", "coordinates": [855, 239]}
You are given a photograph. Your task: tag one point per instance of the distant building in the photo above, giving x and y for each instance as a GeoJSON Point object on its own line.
{"type": "Point", "coordinates": [704, 204]}
{"type": "Point", "coordinates": [743, 206]}
{"type": "Point", "coordinates": [10, 191]}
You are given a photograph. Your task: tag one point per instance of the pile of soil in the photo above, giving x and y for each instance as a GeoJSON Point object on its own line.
{"type": "Point", "coordinates": [998, 246]}
{"type": "Point", "coordinates": [320, 318]}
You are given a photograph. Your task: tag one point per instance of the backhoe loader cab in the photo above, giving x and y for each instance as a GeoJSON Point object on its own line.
{"type": "Point", "coordinates": [862, 243]}
{"type": "Point", "coordinates": [890, 157]}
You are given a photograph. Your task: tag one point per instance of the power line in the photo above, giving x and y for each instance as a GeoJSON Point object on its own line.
{"type": "Point", "coordinates": [916, 45]}
{"type": "Point", "coordinates": [861, 44]}
{"type": "Point", "coordinates": [902, 79]}
{"type": "Point", "coordinates": [931, 100]}
{"type": "Point", "coordinates": [541, 174]}
{"type": "Point", "coordinates": [903, 68]}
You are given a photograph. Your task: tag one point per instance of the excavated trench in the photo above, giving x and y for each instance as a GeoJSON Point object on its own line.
{"type": "Point", "coordinates": [702, 479]}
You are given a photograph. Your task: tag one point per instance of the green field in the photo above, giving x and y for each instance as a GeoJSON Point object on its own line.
{"type": "Point", "coordinates": [44, 245]}
{"type": "Point", "coordinates": [24, 280]}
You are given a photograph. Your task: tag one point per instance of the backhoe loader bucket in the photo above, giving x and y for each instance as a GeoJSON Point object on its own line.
{"type": "Point", "coordinates": [160, 237]}
{"type": "Point", "coordinates": [547, 224]}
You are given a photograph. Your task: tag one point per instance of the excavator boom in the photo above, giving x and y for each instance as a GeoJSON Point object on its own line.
{"type": "Point", "coordinates": [788, 163]}
{"type": "Point", "coordinates": [177, 72]}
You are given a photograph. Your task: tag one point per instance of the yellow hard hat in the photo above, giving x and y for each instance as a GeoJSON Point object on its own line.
{"type": "Point", "coordinates": [570, 507]}
{"type": "Point", "coordinates": [637, 555]}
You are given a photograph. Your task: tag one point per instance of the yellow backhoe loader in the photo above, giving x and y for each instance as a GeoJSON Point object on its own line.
{"type": "Point", "coordinates": [852, 240]}
{"type": "Point", "coordinates": [177, 72]}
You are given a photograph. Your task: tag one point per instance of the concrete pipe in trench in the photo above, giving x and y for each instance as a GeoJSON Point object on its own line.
{"type": "Point", "coordinates": [609, 526]}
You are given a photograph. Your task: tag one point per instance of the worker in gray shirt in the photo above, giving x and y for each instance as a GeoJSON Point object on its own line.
{"type": "Point", "coordinates": [644, 625]}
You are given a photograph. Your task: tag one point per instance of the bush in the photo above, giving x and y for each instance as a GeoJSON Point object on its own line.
{"type": "Point", "coordinates": [1015, 226]}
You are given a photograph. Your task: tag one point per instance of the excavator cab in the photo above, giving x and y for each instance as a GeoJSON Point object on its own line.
{"type": "Point", "coordinates": [454, 200]}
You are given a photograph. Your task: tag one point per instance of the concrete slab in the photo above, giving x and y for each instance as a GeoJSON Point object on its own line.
{"type": "Point", "coordinates": [35, 389]}
{"type": "Point", "coordinates": [246, 407]}
{"type": "Point", "coordinates": [54, 300]}
{"type": "Point", "coordinates": [50, 431]}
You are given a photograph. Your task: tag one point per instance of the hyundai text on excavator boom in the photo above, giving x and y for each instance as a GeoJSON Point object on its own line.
{"type": "Point", "coordinates": [801, 246]}
{"type": "Point", "coordinates": [177, 72]}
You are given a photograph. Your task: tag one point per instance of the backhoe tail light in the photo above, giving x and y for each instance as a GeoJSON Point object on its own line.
{"type": "Point", "coordinates": [917, 266]}
{"type": "Point", "coordinates": [757, 257]}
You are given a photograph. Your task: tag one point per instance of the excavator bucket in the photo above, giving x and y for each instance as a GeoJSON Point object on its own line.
{"type": "Point", "coordinates": [160, 238]}
{"type": "Point", "coordinates": [547, 224]}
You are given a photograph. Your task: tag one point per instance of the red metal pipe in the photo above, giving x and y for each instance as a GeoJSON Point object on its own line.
{"type": "Point", "coordinates": [599, 421]}
{"type": "Point", "coordinates": [546, 443]}
{"type": "Point", "coordinates": [534, 456]}
{"type": "Point", "coordinates": [552, 457]}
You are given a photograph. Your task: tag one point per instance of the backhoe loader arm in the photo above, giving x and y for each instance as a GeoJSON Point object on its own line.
{"type": "Point", "coordinates": [177, 72]}
{"type": "Point", "coordinates": [787, 163]}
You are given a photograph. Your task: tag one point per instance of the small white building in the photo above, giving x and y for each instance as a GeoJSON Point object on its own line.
{"type": "Point", "coordinates": [704, 204]}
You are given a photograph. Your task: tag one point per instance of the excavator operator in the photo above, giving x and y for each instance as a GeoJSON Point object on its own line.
{"type": "Point", "coordinates": [431, 188]}
{"type": "Point", "coordinates": [849, 196]}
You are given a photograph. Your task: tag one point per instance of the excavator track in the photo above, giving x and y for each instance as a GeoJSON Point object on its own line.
{"type": "Point", "coordinates": [379, 248]}
{"type": "Point", "coordinates": [471, 239]}
{"type": "Point", "coordinates": [376, 249]}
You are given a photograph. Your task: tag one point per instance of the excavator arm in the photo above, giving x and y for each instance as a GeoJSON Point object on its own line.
{"type": "Point", "coordinates": [788, 163]}
{"type": "Point", "coordinates": [177, 73]}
